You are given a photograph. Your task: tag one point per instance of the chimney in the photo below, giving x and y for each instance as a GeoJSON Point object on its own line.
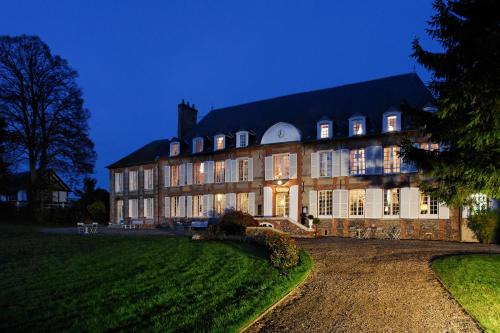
{"type": "Point", "coordinates": [187, 117]}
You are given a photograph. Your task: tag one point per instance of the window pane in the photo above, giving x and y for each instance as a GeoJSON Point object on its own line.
{"type": "Point", "coordinates": [324, 131]}
{"type": "Point", "coordinates": [325, 164]}
{"type": "Point", "coordinates": [281, 166]}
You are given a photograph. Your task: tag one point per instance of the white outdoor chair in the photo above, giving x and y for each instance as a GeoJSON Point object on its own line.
{"type": "Point", "coordinates": [396, 234]}
{"type": "Point", "coordinates": [81, 227]}
{"type": "Point", "coordinates": [367, 234]}
{"type": "Point", "coordinates": [93, 229]}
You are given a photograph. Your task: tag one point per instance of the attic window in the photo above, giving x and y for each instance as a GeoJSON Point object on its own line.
{"type": "Point", "coordinates": [391, 123]}
{"type": "Point", "coordinates": [241, 139]}
{"type": "Point", "coordinates": [324, 132]}
{"type": "Point", "coordinates": [174, 149]}
{"type": "Point", "coordinates": [197, 145]}
{"type": "Point", "coordinates": [357, 127]}
{"type": "Point", "coordinates": [219, 142]}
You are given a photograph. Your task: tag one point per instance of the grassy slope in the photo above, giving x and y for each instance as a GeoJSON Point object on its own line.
{"type": "Point", "coordinates": [474, 281]}
{"type": "Point", "coordinates": [74, 283]}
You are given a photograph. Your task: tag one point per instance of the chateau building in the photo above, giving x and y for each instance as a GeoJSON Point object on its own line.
{"type": "Point", "coordinates": [331, 153]}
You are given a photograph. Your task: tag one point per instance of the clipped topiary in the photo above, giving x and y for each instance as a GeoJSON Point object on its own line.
{"type": "Point", "coordinates": [486, 225]}
{"type": "Point", "coordinates": [235, 222]}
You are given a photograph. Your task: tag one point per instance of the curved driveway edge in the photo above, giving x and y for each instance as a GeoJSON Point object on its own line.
{"type": "Point", "coordinates": [372, 286]}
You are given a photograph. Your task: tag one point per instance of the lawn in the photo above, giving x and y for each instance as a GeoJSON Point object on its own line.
{"type": "Point", "coordinates": [474, 281]}
{"type": "Point", "coordinates": [110, 283]}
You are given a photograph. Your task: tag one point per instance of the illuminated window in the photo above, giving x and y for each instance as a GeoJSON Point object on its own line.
{"type": "Point", "coordinates": [428, 205]}
{"type": "Point", "coordinates": [324, 131]}
{"type": "Point", "coordinates": [133, 208]}
{"type": "Point", "coordinates": [356, 202]}
{"type": "Point", "coordinates": [357, 127]}
{"type": "Point", "coordinates": [282, 204]}
{"type": "Point", "coordinates": [220, 204]}
{"type": "Point", "coordinates": [197, 206]}
{"type": "Point", "coordinates": [391, 123]}
{"type": "Point", "coordinates": [175, 207]}
{"type": "Point", "coordinates": [119, 210]}
{"type": "Point", "coordinates": [357, 161]}
{"type": "Point", "coordinates": [219, 142]}
{"type": "Point", "coordinates": [392, 161]}
{"type": "Point", "coordinates": [242, 202]}
{"type": "Point", "coordinates": [198, 145]}
{"type": "Point", "coordinates": [243, 170]}
{"type": "Point", "coordinates": [480, 202]}
{"type": "Point", "coordinates": [325, 203]}
{"type": "Point", "coordinates": [174, 175]}
{"type": "Point", "coordinates": [281, 166]}
{"type": "Point", "coordinates": [429, 146]}
{"type": "Point", "coordinates": [325, 164]}
{"type": "Point", "coordinates": [174, 149]}
{"type": "Point", "coordinates": [391, 202]}
{"type": "Point", "coordinates": [219, 171]}
{"type": "Point", "coordinates": [199, 173]}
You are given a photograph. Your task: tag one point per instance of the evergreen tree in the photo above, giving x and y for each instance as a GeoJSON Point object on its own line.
{"type": "Point", "coordinates": [466, 84]}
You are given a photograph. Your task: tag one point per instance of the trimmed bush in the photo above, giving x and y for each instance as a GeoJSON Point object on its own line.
{"type": "Point", "coordinates": [485, 225]}
{"type": "Point", "coordinates": [234, 222]}
{"type": "Point", "coordinates": [97, 210]}
{"type": "Point", "coordinates": [283, 251]}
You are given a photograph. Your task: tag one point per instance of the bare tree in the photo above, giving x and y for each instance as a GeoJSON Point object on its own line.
{"type": "Point", "coordinates": [47, 124]}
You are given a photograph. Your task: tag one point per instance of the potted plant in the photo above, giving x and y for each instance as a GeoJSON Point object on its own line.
{"type": "Point", "coordinates": [316, 222]}
{"type": "Point", "coordinates": [310, 219]}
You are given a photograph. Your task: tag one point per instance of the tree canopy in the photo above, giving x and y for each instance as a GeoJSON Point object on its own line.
{"type": "Point", "coordinates": [466, 84]}
{"type": "Point", "coordinates": [42, 105]}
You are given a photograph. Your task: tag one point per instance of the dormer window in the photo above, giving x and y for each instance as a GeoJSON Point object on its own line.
{"type": "Point", "coordinates": [174, 148]}
{"type": "Point", "coordinates": [241, 139]}
{"type": "Point", "coordinates": [357, 126]}
{"type": "Point", "coordinates": [391, 121]}
{"type": "Point", "coordinates": [220, 142]}
{"type": "Point", "coordinates": [197, 145]}
{"type": "Point", "coordinates": [324, 129]}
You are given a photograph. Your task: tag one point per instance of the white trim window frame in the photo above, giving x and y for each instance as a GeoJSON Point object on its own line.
{"type": "Point", "coordinates": [198, 173]}
{"type": "Point", "coordinates": [428, 206]}
{"type": "Point", "coordinates": [242, 202]}
{"type": "Point", "coordinates": [148, 179]}
{"type": "Point", "coordinates": [392, 203]}
{"type": "Point", "coordinates": [175, 148]}
{"type": "Point", "coordinates": [392, 160]}
{"type": "Point", "coordinates": [241, 139]}
{"type": "Point", "coordinates": [148, 208]}
{"type": "Point", "coordinates": [357, 127]}
{"type": "Point", "coordinates": [281, 170]}
{"type": "Point", "coordinates": [219, 171]}
{"type": "Point", "coordinates": [175, 207]}
{"type": "Point", "coordinates": [133, 208]}
{"type": "Point", "coordinates": [325, 163]}
{"type": "Point", "coordinates": [197, 203]}
{"type": "Point", "coordinates": [357, 202]}
{"type": "Point", "coordinates": [219, 142]}
{"type": "Point", "coordinates": [133, 184]}
{"type": "Point", "coordinates": [243, 169]}
{"type": "Point", "coordinates": [357, 160]}
{"type": "Point", "coordinates": [325, 203]}
{"type": "Point", "coordinates": [118, 182]}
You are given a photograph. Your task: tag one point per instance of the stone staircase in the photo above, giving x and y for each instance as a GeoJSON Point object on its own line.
{"type": "Point", "coordinates": [286, 225]}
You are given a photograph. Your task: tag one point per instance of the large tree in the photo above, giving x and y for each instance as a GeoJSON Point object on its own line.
{"type": "Point", "coordinates": [47, 124]}
{"type": "Point", "coordinates": [4, 164]}
{"type": "Point", "coordinates": [466, 83]}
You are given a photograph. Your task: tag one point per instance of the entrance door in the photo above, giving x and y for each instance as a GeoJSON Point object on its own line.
{"type": "Point", "coordinates": [282, 204]}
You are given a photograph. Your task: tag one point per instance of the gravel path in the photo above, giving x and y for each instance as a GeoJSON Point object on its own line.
{"type": "Point", "coordinates": [372, 286]}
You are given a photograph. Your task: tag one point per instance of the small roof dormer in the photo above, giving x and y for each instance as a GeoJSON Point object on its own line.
{"type": "Point", "coordinates": [198, 144]}
{"type": "Point", "coordinates": [357, 124]}
{"type": "Point", "coordinates": [242, 139]}
{"type": "Point", "coordinates": [391, 120]}
{"type": "Point", "coordinates": [219, 141]}
{"type": "Point", "coordinates": [324, 128]}
{"type": "Point", "coordinates": [175, 147]}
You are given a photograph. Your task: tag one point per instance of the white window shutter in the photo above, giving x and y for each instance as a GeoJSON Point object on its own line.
{"type": "Point", "coordinates": [344, 203]}
{"type": "Point", "coordinates": [166, 206]}
{"type": "Point", "coordinates": [398, 122]}
{"type": "Point", "coordinates": [336, 163]}
{"type": "Point", "coordinates": [268, 201]}
{"type": "Point", "coordinates": [205, 205]}
{"type": "Point", "coordinates": [231, 201]}
{"type": "Point", "coordinates": [314, 165]}
{"type": "Point", "coordinates": [444, 211]}
{"type": "Point", "coordinates": [227, 171]}
{"type": "Point", "coordinates": [268, 161]}
{"type": "Point", "coordinates": [344, 162]}
{"type": "Point", "coordinates": [209, 172]}
{"type": "Point", "coordinates": [335, 204]}
{"type": "Point", "coordinates": [294, 203]}
{"type": "Point", "coordinates": [374, 160]}
{"type": "Point", "coordinates": [384, 124]}
{"type": "Point", "coordinates": [189, 206]}
{"type": "Point", "coordinates": [166, 176]}
{"type": "Point", "coordinates": [414, 202]}
{"type": "Point", "coordinates": [234, 170]}
{"type": "Point", "coordinates": [373, 203]}
{"type": "Point", "coordinates": [251, 203]}
{"type": "Point", "coordinates": [404, 194]}
{"type": "Point", "coordinates": [250, 169]}
{"type": "Point", "coordinates": [182, 206]}
{"type": "Point", "coordinates": [293, 166]}
{"type": "Point", "coordinates": [189, 173]}
{"type": "Point", "coordinates": [182, 174]}
{"type": "Point", "coordinates": [313, 203]}
{"type": "Point", "coordinates": [210, 205]}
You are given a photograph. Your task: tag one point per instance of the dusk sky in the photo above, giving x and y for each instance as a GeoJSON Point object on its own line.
{"type": "Point", "coordinates": [138, 59]}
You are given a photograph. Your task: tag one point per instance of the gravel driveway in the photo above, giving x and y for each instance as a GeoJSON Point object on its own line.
{"type": "Point", "coordinates": [372, 286]}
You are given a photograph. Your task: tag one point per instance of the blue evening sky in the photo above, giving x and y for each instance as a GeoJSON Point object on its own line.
{"type": "Point", "coordinates": [138, 59]}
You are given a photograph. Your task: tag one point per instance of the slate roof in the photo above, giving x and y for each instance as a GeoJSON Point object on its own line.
{"type": "Point", "coordinates": [20, 181]}
{"type": "Point", "coordinates": [303, 110]}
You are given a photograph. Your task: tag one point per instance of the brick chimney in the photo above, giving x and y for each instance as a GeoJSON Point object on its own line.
{"type": "Point", "coordinates": [187, 116]}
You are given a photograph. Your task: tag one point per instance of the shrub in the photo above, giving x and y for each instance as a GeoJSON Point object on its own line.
{"type": "Point", "coordinates": [97, 210]}
{"type": "Point", "coordinates": [234, 222]}
{"type": "Point", "coordinates": [485, 225]}
{"type": "Point", "coordinates": [284, 252]}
